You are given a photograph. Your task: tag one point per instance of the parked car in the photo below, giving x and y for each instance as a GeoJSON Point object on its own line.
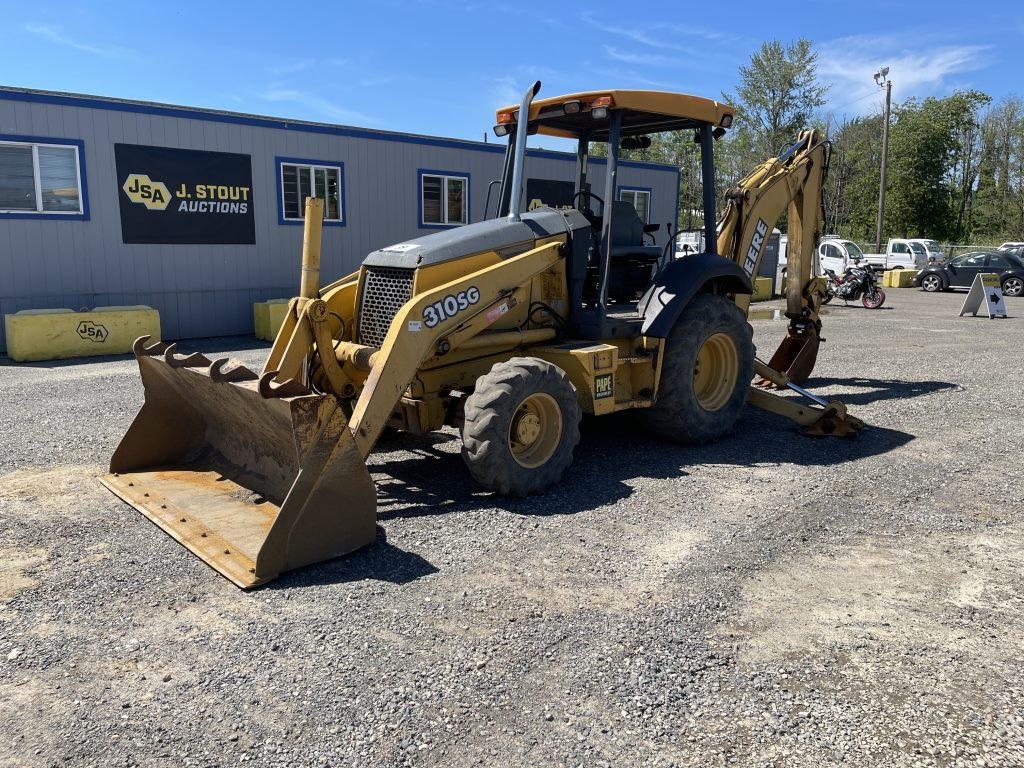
{"type": "Point", "coordinates": [1011, 244]}
{"type": "Point", "coordinates": [959, 272]}
{"type": "Point", "coordinates": [900, 253]}
{"type": "Point", "coordinates": [932, 249]}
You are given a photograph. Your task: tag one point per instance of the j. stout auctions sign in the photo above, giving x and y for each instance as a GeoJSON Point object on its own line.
{"type": "Point", "coordinates": [184, 196]}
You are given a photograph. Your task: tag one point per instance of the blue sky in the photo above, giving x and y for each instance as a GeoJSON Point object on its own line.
{"type": "Point", "coordinates": [441, 67]}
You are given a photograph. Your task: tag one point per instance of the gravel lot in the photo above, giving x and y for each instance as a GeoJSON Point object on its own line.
{"type": "Point", "coordinates": [770, 600]}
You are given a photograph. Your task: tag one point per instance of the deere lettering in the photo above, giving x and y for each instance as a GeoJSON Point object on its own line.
{"type": "Point", "coordinates": [756, 244]}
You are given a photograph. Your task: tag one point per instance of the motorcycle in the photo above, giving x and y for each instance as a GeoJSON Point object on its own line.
{"type": "Point", "coordinates": [857, 283]}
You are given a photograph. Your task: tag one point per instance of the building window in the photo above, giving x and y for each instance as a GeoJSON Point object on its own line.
{"type": "Point", "coordinates": [444, 199]}
{"type": "Point", "coordinates": [40, 178]}
{"type": "Point", "coordinates": [639, 198]}
{"type": "Point", "coordinates": [299, 179]}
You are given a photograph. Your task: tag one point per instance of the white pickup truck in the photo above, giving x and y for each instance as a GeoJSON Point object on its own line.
{"type": "Point", "coordinates": [837, 254]}
{"type": "Point", "coordinates": [900, 254]}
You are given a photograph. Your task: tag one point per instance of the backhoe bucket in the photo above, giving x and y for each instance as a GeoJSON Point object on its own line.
{"type": "Point", "coordinates": [795, 357]}
{"type": "Point", "coordinates": [253, 483]}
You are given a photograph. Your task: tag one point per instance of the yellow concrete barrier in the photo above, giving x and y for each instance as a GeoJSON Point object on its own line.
{"type": "Point", "coordinates": [899, 278]}
{"type": "Point", "coordinates": [904, 278]}
{"type": "Point", "coordinates": [53, 334]}
{"type": "Point", "coordinates": [267, 317]}
{"type": "Point", "coordinates": [762, 289]}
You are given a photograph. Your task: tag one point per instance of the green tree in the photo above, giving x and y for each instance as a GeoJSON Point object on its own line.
{"type": "Point", "coordinates": [777, 96]}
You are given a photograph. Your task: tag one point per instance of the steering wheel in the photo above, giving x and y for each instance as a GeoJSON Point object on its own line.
{"type": "Point", "coordinates": [584, 192]}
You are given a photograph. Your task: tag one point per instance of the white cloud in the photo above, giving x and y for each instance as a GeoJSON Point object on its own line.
{"type": "Point", "coordinates": [504, 91]}
{"type": "Point", "coordinates": [848, 65]}
{"type": "Point", "coordinates": [55, 36]}
{"type": "Point", "coordinates": [321, 106]}
{"type": "Point", "coordinates": [291, 67]}
{"type": "Point", "coordinates": [644, 59]}
{"type": "Point", "coordinates": [662, 35]}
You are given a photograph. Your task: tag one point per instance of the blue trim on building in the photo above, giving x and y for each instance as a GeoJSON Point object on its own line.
{"type": "Point", "coordinates": [420, 173]}
{"type": "Point", "coordinates": [278, 161]}
{"type": "Point", "coordinates": [92, 102]}
{"type": "Point", "coordinates": [50, 215]}
{"type": "Point", "coordinates": [648, 190]}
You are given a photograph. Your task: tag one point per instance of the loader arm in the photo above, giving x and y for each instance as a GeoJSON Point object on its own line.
{"type": "Point", "coordinates": [791, 182]}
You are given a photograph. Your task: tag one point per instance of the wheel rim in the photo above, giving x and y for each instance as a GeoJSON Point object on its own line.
{"type": "Point", "coordinates": [535, 430]}
{"type": "Point", "coordinates": [715, 371]}
{"type": "Point", "coordinates": [1013, 286]}
{"type": "Point", "coordinates": [931, 283]}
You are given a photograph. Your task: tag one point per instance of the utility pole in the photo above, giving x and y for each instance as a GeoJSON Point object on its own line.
{"type": "Point", "coordinates": [882, 78]}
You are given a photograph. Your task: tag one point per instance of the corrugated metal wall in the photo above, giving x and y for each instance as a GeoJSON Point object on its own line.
{"type": "Point", "coordinates": [208, 290]}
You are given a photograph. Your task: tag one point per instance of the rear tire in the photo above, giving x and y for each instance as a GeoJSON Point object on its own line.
{"type": "Point", "coordinates": [520, 426]}
{"type": "Point", "coordinates": [708, 365]}
{"type": "Point", "coordinates": [873, 300]}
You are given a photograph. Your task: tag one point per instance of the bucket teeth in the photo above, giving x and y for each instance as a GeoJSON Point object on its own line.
{"type": "Point", "coordinates": [289, 388]}
{"type": "Point", "coordinates": [141, 350]}
{"type": "Point", "coordinates": [195, 360]}
{"type": "Point", "coordinates": [237, 373]}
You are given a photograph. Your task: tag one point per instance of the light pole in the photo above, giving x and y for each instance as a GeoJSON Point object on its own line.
{"type": "Point", "coordinates": [883, 81]}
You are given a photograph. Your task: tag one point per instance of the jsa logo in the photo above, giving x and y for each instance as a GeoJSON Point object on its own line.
{"type": "Point", "coordinates": [142, 189]}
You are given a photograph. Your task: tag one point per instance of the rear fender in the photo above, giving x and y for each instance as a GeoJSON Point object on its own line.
{"type": "Point", "coordinates": [677, 284]}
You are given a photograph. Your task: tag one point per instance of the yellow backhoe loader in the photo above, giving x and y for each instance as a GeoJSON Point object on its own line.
{"type": "Point", "coordinates": [508, 329]}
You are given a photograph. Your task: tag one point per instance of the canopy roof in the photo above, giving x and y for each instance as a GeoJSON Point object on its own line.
{"type": "Point", "coordinates": [643, 112]}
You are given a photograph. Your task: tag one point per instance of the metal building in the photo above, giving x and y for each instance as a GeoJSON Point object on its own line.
{"type": "Point", "coordinates": [197, 212]}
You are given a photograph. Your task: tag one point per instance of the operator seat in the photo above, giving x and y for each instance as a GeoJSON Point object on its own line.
{"type": "Point", "coordinates": [632, 261]}
{"type": "Point", "coordinates": [628, 232]}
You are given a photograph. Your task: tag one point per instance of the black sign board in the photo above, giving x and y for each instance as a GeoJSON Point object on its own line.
{"type": "Point", "coordinates": [550, 192]}
{"type": "Point", "coordinates": [184, 196]}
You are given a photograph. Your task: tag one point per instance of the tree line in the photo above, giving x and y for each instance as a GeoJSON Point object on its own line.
{"type": "Point", "coordinates": [956, 164]}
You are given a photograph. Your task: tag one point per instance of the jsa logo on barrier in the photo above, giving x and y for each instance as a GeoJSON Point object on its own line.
{"type": "Point", "coordinates": [450, 306]}
{"type": "Point", "coordinates": [91, 331]}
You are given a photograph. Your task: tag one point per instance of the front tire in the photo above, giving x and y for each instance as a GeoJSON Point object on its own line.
{"type": "Point", "coordinates": [931, 283]}
{"type": "Point", "coordinates": [1013, 286]}
{"type": "Point", "coordinates": [520, 426]}
{"type": "Point", "coordinates": [708, 365]}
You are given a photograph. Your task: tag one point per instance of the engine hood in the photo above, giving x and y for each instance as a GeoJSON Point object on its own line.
{"type": "Point", "coordinates": [508, 238]}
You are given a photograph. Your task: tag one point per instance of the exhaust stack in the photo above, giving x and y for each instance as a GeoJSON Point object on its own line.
{"type": "Point", "coordinates": [522, 129]}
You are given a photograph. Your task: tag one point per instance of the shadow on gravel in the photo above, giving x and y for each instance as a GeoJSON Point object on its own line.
{"type": "Point", "coordinates": [875, 390]}
{"type": "Point", "coordinates": [858, 305]}
{"type": "Point", "coordinates": [613, 451]}
{"type": "Point", "coordinates": [381, 562]}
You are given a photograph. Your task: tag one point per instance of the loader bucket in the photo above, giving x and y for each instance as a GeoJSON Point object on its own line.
{"type": "Point", "coordinates": [796, 356]}
{"type": "Point", "coordinates": [255, 485]}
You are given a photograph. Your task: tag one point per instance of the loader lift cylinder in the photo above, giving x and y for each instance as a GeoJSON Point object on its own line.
{"type": "Point", "coordinates": [309, 284]}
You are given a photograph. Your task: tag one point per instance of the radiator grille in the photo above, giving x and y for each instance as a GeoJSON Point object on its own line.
{"type": "Point", "coordinates": [385, 290]}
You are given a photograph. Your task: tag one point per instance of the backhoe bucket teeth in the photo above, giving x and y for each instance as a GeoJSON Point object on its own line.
{"type": "Point", "coordinates": [795, 357]}
{"type": "Point", "coordinates": [254, 486]}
